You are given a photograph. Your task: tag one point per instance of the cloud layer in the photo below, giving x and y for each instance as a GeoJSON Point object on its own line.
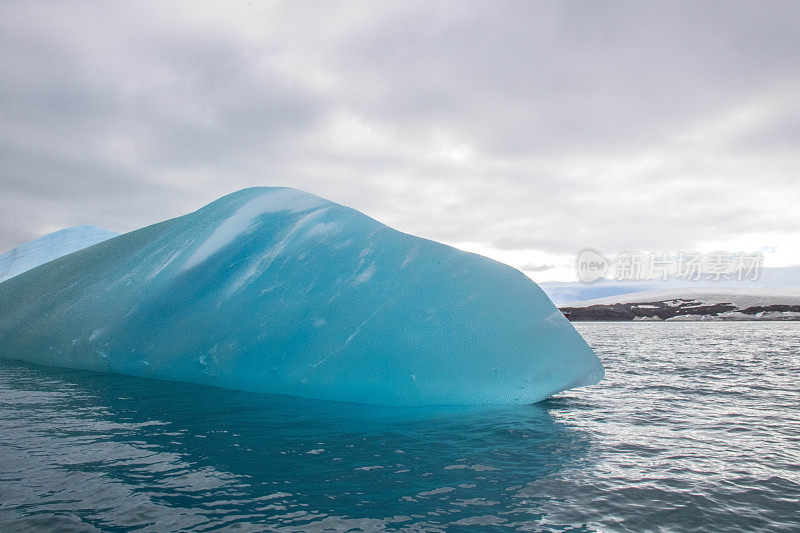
{"type": "Point", "coordinates": [521, 130]}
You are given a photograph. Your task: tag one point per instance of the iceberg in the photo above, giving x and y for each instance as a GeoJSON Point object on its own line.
{"type": "Point", "coordinates": [279, 291]}
{"type": "Point", "coordinates": [50, 247]}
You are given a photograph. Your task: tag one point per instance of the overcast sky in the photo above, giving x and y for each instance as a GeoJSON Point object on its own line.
{"type": "Point", "coordinates": [524, 130]}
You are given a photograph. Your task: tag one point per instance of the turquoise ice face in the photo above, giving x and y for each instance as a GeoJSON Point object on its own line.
{"type": "Point", "coordinates": [276, 290]}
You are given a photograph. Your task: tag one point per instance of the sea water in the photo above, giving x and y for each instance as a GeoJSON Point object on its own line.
{"type": "Point", "coordinates": [695, 427]}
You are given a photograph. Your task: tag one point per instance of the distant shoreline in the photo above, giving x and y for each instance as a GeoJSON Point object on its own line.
{"type": "Point", "coordinates": [679, 310]}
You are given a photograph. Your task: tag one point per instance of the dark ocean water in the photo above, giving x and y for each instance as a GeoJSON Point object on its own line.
{"type": "Point", "coordinates": [696, 427]}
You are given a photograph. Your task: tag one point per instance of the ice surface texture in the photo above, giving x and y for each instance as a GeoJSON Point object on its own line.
{"type": "Point", "coordinates": [276, 290]}
{"type": "Point", "coordinates": [51, 246]}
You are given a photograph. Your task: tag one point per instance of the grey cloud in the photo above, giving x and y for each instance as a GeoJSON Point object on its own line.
{"type": "Point", "coordinates": [530, 267]}
{"type": "Point", "coordinates": [522, 126]}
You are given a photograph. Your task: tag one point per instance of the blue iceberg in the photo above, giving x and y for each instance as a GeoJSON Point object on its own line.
{"type": "Point", "coordinates": [49, 247]}
{"type": "Point", "coordinates": [279, 291]}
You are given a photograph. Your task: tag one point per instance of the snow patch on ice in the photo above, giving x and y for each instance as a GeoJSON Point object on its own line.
{"type": "Point", "coordinates": [410, 256]}
{"type": "Point", "coordinates": [164, 265]}
{"type": "Point", "coordinates": [323, 228]}
{"type": "Point", "coordinates": [244, 220]}
{"type": "Point", "coordinates": [366, 275]}
{"type": "Point", "coordinates": [260, 266]}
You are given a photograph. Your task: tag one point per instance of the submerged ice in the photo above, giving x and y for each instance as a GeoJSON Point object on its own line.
{"type": "Point", "coordinates": [276, 290]}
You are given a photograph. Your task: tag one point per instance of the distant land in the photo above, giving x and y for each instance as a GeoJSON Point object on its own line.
{"type": "Point", "coordinates": [565, 293]}
{"type": "Point", "coordinates": [690, 304]}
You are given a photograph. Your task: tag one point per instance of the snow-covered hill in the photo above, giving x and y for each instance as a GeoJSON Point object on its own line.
{"type": "Point", "coordinates": [692, 304]}
{"type": "Point", "coordinates": [740, 297]}
{"type": "Point", "coordinates": [50, 247]}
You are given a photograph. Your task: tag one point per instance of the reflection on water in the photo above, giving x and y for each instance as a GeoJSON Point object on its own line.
{"type": "Point", "coordinates": [696, 427]}
{"type": "Point", "coordinates": [114, 451]}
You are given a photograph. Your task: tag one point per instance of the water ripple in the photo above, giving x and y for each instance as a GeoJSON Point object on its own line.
{"type": "Point", "coordinates": [695, 428]}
